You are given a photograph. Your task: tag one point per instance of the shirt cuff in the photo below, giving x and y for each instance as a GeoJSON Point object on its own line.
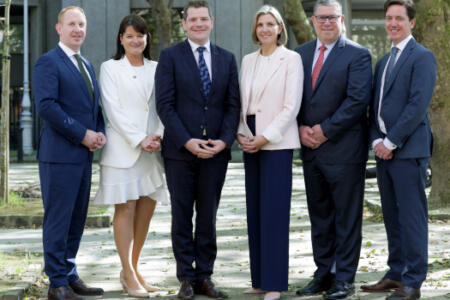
{"type": "Point", "coordinates": [388, 144]}
{"type": "Point", "coordinates": [375, 142]}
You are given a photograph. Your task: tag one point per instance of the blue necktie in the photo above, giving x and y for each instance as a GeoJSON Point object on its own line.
{"type": "Point", "coordinates": [391, 64]}
{"type": "Point", "coordinates": [204, 74]}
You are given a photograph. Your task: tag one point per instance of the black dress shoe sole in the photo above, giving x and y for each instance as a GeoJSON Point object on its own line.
{"type": "Point", "coordinates": [88, 293]}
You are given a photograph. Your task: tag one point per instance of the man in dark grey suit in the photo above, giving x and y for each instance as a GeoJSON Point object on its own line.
{"type": "Point", "coordinates": [402, 142]}
{"type": "Point", "coordinates": [333, 131]}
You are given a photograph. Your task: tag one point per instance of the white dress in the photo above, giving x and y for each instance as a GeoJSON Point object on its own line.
{"type": "Point", "coordinates": [120, 183]}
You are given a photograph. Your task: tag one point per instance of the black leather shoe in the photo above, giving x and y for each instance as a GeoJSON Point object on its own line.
{"type": "Point", "coordinates": [62, 293]}
{"type": "Point", "coordinates": [405, 293]}
{"type": "Point", "coordinates": [186, 291]}
{"type": "Point", "coordinates": [316, 286]}
{"type": "Point", "coordinates": [340, 290]}
{"type": "Point", "coordinates": [207, 287]}
{"type": "Point", "coordinates": [79, 287]}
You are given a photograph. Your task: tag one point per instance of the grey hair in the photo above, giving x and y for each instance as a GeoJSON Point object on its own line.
{"type": "Point", "coordinates": [327, 3]}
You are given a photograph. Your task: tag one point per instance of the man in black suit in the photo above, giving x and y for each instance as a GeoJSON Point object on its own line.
{"type": "Point", "coordinates": [333, 131]}
{"type": "Point", "coordinates": [402, 142]}
{"type": "Point", "coordinates": [197, 99]}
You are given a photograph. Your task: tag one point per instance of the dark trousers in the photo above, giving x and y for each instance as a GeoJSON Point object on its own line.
{"type": "Point", "coordinates": [268, 186]}
{"type": "Point", "coordinates": [65, 193]}
{"type": "Point", "coordinates": [335, 195]}
{"type": "Point", "coordinates": [402, 189]}
{"type": "Point", "coordinates": [196, 182]}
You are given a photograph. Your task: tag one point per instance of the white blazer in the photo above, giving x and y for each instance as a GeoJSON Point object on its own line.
{"type": "Point", "coordinates": [278, 103]}
{"type": "Point", "coordinates": [130, 115]}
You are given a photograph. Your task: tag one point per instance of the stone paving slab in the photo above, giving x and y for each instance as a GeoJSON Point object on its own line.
{"type": "Point", "coordinates": [98, 262]}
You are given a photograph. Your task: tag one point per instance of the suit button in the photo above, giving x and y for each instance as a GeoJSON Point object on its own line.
{"type": "Point", "coordinates": [201, 126]}
{"type": "Point", "coordinates": [206, 107]}
{"type": "Point", "coordinates": [258, 110]}
{"type": "Point", "coordinates": [146, 109]}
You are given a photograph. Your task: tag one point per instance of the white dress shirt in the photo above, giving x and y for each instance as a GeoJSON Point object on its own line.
{"type": "Point", "coordinates": [319, 44]}
{"type": "Point", "coordinates": [387, 143]}
{"type": "Point", "coordinates": [70, 53]}
{"type": "Point", "coordinates": [206, 54]}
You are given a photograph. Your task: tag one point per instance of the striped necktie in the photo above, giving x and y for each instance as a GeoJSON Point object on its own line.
{"type": "Point", "coordinates": [204, 74]}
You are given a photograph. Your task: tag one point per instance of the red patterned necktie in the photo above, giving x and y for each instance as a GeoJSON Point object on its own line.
{"type": "Point", "coordinates": [318, 65]}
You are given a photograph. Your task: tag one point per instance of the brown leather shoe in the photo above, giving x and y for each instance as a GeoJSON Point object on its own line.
{"type": "Point", "coordinates": [405, 293]}
{"type": "Point", "coordinates": [62, 293]}
{"type": "Point", "coordinates": [384, 285]}
{"type": "Point", "coordinates": [79, 287]}
{"type": "Point", "coordinates": [207, 287]}
{"type": "Point", "coordinates": [186, 291]}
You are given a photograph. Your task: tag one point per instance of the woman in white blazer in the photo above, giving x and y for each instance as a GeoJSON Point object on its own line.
{"type": "Point", "coordinates": [131, 173]}
{"type": "Point", "coordinates": [271, 89]}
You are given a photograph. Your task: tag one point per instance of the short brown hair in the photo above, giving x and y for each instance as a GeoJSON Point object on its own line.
{"type": "Point", "coordinates": [269, 9]}
{"type": "Point", "coordinates": [196, 4]}
{"type": "Point", "coordinates": [65, 9]}
{"type": "Point", "coordinates": [408, 4]}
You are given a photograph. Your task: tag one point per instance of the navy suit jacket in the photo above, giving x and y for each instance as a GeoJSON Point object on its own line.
{"type": "Point", "coordinates": [338, 102]}
{"type": "Point", "coordinates": [183, 109]}
{"type": "Point", "coordinates": [63, 102]}
{"type": "Point", "coordinates": [405, 102]}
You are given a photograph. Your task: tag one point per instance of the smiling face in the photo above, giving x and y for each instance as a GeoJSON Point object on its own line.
{"type": "Point", "coordinates": [267, 30]}
{"type": "Point", "coordinates": [329, 30]}
{"type": "Point", "coordinates": [133, 42]}
{"type": "Point", "coordinates": [198, 24]}
{"type": "Point", "coordinates": [398, 24]}
{"type": "Point", "coordinates": [72, 29]}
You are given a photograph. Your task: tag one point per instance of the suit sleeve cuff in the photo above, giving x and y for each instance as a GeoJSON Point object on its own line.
{"type": "Point", "coordinates": [388, 144]}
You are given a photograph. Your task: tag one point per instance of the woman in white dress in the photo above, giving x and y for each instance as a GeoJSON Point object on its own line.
{"type": "Point", "coordinates": [131, 173]}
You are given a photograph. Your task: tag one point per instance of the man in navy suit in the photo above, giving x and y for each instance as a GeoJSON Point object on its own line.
{"type": "Point", "coordinates": [402, 142]}
{"type": "Point", "coordinates": [197, 99]}
{"type": "Point", "coordinates": [333, 130]}
{"type": "Point", "coordinates": [66, 95]}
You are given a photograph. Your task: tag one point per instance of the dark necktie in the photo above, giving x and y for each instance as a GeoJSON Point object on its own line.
{"type": "Point", "coordinates": [391, 64]}
{"type": "Point", "coordinates": [204, 74]}
{"type": "Point", "coordinates": [318, 65]}
{"type": "Point", "coordinates": [85, 75]}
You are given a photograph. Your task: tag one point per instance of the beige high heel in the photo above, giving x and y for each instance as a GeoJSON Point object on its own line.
{"type": "Point", "coordinates": [253, 291]}
{"type": "Point", "coordinates": [141, 293]}
{"type": "Point", "coordinates": [273, 295]}
{"type": "Point", "coordinates": [144, 284]}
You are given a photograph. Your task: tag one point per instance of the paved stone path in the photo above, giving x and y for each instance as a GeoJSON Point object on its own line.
{"type": "Point", "coordinates": [99, 263]}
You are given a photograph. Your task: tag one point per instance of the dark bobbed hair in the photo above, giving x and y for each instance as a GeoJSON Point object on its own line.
{"type": "Point", "coordinates": [138, 24]}
{"type": "Point", "coordinates": [408, 4]}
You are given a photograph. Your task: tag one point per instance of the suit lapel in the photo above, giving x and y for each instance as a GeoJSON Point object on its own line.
{"type": "Point", "coordinates": [215, 66]}
{"type": "Point", "coordinates": [76, 73]}
{"type": "Point", "coordinates": [191, 66]}
{"type": "Point", "coordinates": [331, 59]}
{"type": "Point", "coordinates": [398, 65]}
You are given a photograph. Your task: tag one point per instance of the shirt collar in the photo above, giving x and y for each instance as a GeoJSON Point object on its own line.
{"type": "Point", "coordinates": [194, 46]}
{"type": "Point", "coordinates": [329, 46]}
{"type": "Point", "coordinates": [69, 52]}
{"type": "Point", "coordinates": [401, 46]}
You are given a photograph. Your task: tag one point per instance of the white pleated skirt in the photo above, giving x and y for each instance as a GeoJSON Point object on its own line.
{"type": "Point", "coordinates": [144, 178]}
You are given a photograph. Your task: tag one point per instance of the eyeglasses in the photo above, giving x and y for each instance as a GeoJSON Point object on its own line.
{"type": "Point", "coordinates": [323, 19]}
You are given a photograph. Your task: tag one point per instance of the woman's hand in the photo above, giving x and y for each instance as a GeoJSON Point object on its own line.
{"type": "Point", "coordinates": [151, 143]}
{"type": "Point", "coordinates": [251, 144]}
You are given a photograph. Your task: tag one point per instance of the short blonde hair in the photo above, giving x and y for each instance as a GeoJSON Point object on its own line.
{"type": "Point", "coordinates": [65, 9]}
{"type": "Point", "coordinates": [268, 9]}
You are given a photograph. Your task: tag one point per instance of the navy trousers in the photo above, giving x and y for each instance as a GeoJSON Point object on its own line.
{"type": "Point", "coordinates": [402, 189]}
{"type": "Point", "coordinates": [335, 195]}
{"type": "Point", "coordinates": [198, 182]}
{"type": "Point", "coordinates": [65, 193]}
{"type": "Point", "coordinates": [268, 186]}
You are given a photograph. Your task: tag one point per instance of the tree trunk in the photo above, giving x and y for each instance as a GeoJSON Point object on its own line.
{"type": "Point", "coordinates": [4, 117]}
{"type": "Point", "coordinates": [162, 14]}
{"type": "Point", "coordinates": [296, 17]}
{"type": "Point", "coordinates": [432, 30]}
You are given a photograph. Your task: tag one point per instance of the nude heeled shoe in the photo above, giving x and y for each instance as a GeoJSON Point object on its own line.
{"type": "Point", "coordinates": [253, 291]}
{"type": "Point", "coordinates": [141, 293]}
{"type": "Point", "coordinates": [272, 295]}
{"type": "Point", "coordinates": [148, 288]}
